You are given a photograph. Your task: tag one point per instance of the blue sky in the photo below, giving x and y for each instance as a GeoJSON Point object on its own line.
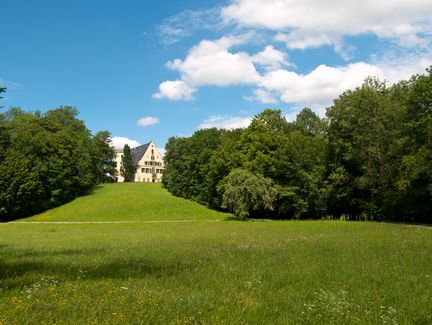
{"type": "Point", "coordinates": [148, 70]}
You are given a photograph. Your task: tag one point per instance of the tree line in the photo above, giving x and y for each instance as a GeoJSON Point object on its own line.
{"type": "Point", "coordinates": [369, 158]}
{"type": "Point", "coordinates": [48, 159]}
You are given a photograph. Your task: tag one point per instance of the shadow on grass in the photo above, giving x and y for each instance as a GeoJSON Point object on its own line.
{"type": "Point", "coordinates": [408, 223]}
{"type": "Point", "coordinates": [27, 267]}
{"type": "Point", "coordinates": [234, 218]}
{"type": "Point", "coordinates": [29, 214]}
{"type": "Point", "coordinates": [29, 253]}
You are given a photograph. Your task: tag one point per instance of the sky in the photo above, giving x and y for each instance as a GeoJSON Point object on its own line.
{"type": "Point", "coordinates": [149, 70]}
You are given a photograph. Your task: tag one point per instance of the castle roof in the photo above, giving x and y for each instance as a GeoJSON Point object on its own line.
{"type": "Point", "coordinates": [138, 152]}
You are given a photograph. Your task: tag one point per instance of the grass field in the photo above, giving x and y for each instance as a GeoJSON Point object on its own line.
{"type": "Point", "coordinates": [129, 202]}
{"type": "Point", "coordinates": [224, 272]}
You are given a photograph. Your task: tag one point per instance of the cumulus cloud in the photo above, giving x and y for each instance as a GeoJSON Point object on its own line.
{"type": "Point", "coordinates": [147, 121]}
{"type": "Point", "coordinates": [319, 86]}
{"type": "Point", "coordinates": [119, 142]}
{"type": "Point", "coordinates": [226, 122]}
{"type": "Point", "coordinates": [174, 90]}
{"type": "Point", "coordinates": [214, 63]}
{"type": "Point", "coordinates": [302, 25]}
{"type": "Point", "coordinates": [263, 96]}
{"type": "Point", "coordinates": [312, 23]}
{"type": "Point", "coordinates": [210, 63]}
{"type": "Point", "coordinates": [271, 58]}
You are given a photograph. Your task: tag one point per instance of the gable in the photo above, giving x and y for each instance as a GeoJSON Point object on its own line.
{"type": "Point", "coordinates": [138, 152]}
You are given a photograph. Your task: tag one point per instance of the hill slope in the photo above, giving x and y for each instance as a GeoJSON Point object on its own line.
{"type": "Point", "coordinates": [129, 202]}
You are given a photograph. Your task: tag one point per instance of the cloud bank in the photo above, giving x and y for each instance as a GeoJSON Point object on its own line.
{"type": "Point", "coordinates": [303, 24]}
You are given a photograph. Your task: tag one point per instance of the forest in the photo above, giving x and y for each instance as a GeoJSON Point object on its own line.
{"type": "Point", "coordinates": [48, 159]}
{"type": "Point", "coordinates": [369, 158]}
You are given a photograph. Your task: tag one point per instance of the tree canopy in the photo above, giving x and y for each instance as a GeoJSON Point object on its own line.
{"type": "Point", "coordinates": [369, 158]}
{"type": "Point", "coordinates": [127, 168]}
{"type": "Point", "coordinates": [48, 159]}
{"type": "Point", "coordinates": [2, 90]}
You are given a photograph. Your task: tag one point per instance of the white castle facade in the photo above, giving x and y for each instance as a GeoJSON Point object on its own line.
{"type": "Point", "coordinates": [147, 161]}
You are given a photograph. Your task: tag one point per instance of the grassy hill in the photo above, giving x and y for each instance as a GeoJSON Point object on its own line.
{"type": "Point", "coordinates": [129, 202]}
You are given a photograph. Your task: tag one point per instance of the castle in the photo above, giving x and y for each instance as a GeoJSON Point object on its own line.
{"type": "Point", "coordinates": [147, 161]}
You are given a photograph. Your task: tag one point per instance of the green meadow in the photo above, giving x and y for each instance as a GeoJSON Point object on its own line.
{"type": "Point", "coordinates": [129, 202]}
{"type": "Point", "coordinates": [209, 270]}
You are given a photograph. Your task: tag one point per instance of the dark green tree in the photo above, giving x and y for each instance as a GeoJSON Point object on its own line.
{"type": "Point", "coordinates": [103, 157]}
{"type": "Point", "coordinates": [127, 169]}
{"type": "Point", "coordinates": [224, 159]}
{"type": "Point", "coordinates": [309, 123]}
{"type": "Point", "coordinates": [45, 160]}
{"type": "Point", "coordinates": [293, 158]}
{"type": "Point", "coordinates": [365, 134]}
{"type": "Point", "coordinates": [4, 137]}
{"type": "Point", "coordinates": [2, 90]}
{"type": "Point", "coordinates": [187, 164]}
{"type": "Point", "coordinates": [176, 173]}
{"type": "Point", "coordinates": [301, 170]}
{"type": "Point", "coordinates": [21, 189]}
{"type": "Point", "coordinates": [370, 158]}
{"type": "Point", "coordinates": [416, 177]}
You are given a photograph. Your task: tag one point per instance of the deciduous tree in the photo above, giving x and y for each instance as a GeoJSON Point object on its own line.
{"type": "Point", "coordinates": [244, 193]}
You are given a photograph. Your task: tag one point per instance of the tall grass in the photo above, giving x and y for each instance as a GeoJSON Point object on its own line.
{"type": "Point", "coordinates": [219, 273]}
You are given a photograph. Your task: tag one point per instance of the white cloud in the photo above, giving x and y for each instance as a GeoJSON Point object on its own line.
{"type": "Point", "coordinates": [146, 121]}
{"type": "Point", "coordinates": [174, 90]}
{"type": "Point", "coordinates": [161, 151]}
{"type": "Point", "coordinates": [401, 66]}
{"type": "Point", "coordinates": [210, 63]}
{"type": "Point", "coordinates": [226, 122]}
{"type": "Point", "coordinates": [319, 86]}
{"type": "Point", "coordinates": [263, 96]}
{"type": "Point", "coordinates": [119, 142]}
{"type": "Point", "coordinates": [216, 63]}
{"type": "Point", "coordinates": [292, 116]}
{"type": "Point", "coordinates": [299, 39]}
{"type": "Point", "coordinates": [270, 58]}
{"type": "Point", "coordinates": [312, 23]}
